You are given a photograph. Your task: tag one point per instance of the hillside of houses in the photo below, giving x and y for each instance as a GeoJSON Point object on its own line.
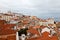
{"type": "Point", "coordinates": [15, 26]}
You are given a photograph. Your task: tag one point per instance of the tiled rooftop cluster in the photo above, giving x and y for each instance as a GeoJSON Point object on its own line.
{"type": "Point", "coordinates": [38, 29]}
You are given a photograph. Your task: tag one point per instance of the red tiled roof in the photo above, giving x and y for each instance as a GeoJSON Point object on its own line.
{"type": "Point", "coordinates": [7, 32]}
{"type": "Point", "coordinates": [2, 21]}
{"type": "Point", "coordinates": [42, 27]}
{"type": "Point", "coordinates": [11, 37]}
{"type": "Point", "coordinates": [2, 38]}
{"type": "Point", "coordinates": [36, 26]}
{"type": "Point", "coordinates": [45, 37]}
{"type": "Point", "coordinates": [5, 29]}
{"type": "Point", "coordinates": [25, 21]}
{"type": "Point", "coordinates": [54, 37]}
{"type": "Point", "coordinates": [7, 26]}
{"type": "Point", "coordinates": [33, 31]}
{"type": "Point", "coordinates": [32, 39]}
{"type": "Point", "coordinates": [45, 34]}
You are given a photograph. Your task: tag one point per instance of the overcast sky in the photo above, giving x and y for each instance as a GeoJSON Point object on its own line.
{"type": "Point", "coordinates": [40, 8]}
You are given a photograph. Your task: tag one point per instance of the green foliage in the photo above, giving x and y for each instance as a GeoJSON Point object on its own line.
{"type": "Point", "coordinates": [23, 31]}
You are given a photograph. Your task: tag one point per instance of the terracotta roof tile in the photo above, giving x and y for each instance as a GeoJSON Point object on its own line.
{"type": "Point", "coordinates": [11, 37]}
{"type": "Point", "coordinates": [36, 26]}
{"type": "Point", "coordinates": [7, 32]}
{"type": "Point", "coordinates": [33, 31]}
{"type": "Point", "coordinates": [2, 38]}
{"type": "Point", "coordinates": [54, 38]}
{"type": "Point", "coordinates": [2, 21]}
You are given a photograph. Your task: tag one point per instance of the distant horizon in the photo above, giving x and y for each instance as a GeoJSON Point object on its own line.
{"type": "Point", "coordinates": [40, 15]}
{"type": "Point", "coordinates": [39, 8]}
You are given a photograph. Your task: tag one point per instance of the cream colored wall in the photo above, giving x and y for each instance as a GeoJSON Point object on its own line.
{"type": "Point", "coordinates": [43, 23]}
{"type": "Point", "coordinates": [46, 23]}
{"type": "Point", "coordinates": [51, 21]}
{"type": "Point", "coordinates": [7, 18]}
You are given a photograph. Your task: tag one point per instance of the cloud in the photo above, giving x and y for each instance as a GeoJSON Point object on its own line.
{"type": "Point", "coordinates": [31, 7]}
